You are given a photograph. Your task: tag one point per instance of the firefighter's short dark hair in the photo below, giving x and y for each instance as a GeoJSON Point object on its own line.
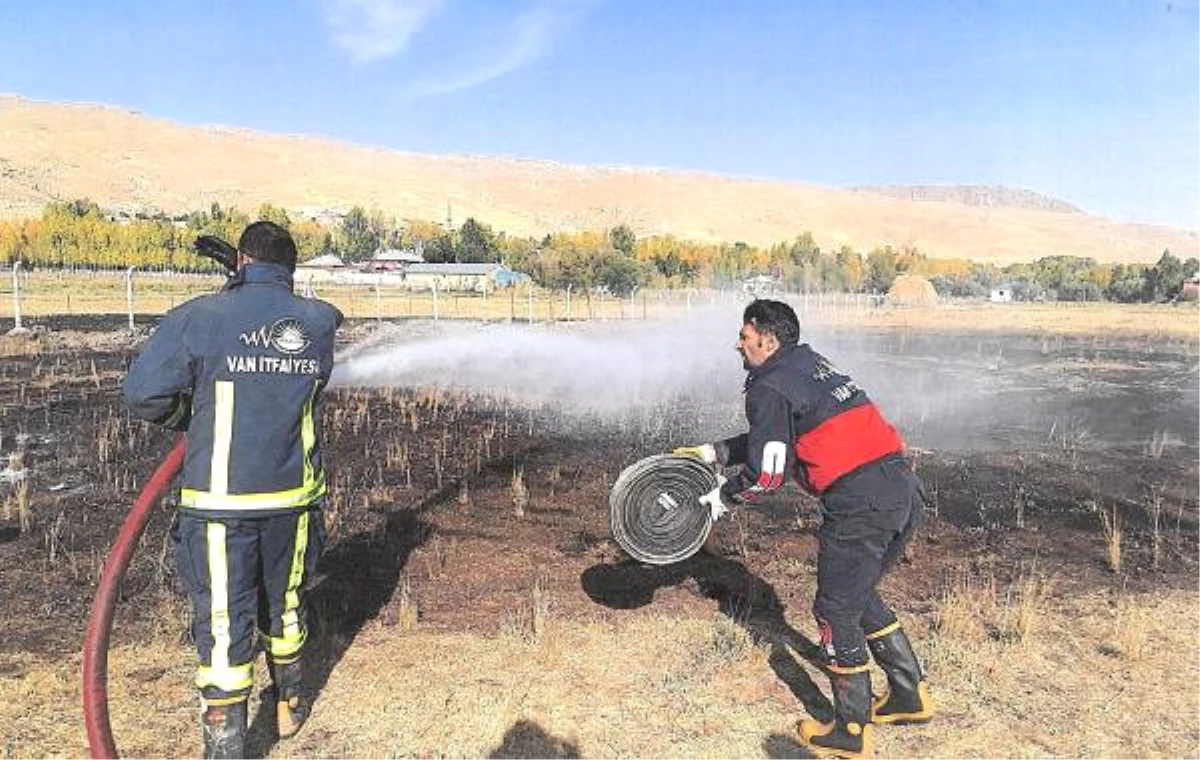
{"type": "Point", "coordinates": [775, 318]}
{"type": "Point", "coordinates": [268, 242]}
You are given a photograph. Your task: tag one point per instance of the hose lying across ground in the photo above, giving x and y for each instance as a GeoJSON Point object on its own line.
{"type": "Point", "coordinates": [656, 514]}
{"type": "Point", "coordinates": [95, 642]}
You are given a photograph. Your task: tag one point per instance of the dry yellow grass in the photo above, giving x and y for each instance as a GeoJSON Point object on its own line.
{"type": "Point", "coordinates": [658, 687]}
{"type": "Point", "coordinates": [45, 294]}
{"type": "Point", "coordinates": [1073, 689]}
{"type": "Point", "coordinates": [1101, 321]}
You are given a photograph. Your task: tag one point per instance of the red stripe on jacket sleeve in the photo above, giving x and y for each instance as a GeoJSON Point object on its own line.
{"type": "Point", "coordinates": [774, 464]}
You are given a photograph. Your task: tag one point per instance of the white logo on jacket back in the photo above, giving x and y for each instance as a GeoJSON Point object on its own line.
{"type": "Point", "coordinates": [286, 336]}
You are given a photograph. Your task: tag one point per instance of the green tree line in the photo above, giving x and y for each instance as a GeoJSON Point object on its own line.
{"type": "Point", "coordinates": [79, 234]}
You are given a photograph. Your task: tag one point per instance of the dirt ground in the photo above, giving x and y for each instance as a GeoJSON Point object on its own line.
{"type": "Point", "coordinates": [1028, 446]}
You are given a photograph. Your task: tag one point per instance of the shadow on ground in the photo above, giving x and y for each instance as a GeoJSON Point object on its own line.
{"type": "Point", "coordinates": [744, 597]}
{"type": "Point", "coordinates": [785, 747]}
{"type": "Point", "coordinates": [355, 580]}
{"type": "Point", "coordinates": [528, 740]}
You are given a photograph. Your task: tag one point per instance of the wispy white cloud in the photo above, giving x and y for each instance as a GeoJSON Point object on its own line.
{"type": "Point", "coordinates": [373, 30]}
{"type": "Point", "coordinates": [369, 30]}
{"type": "Point", "coordinates": [529, 37]}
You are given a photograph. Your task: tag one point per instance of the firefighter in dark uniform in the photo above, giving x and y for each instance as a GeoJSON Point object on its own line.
{"type": "Point", "coordinates": [808, 418]}
{"type": "Point", "coordinates": [241, 372]}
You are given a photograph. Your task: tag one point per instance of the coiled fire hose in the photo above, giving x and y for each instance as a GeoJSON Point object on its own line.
{"type": "Point", "coordinates": [95, 641]}
{"type": "Point", "coordinates": [657, 517]}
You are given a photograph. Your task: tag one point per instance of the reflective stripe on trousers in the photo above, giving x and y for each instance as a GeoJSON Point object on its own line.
{"type": "Point", "coordinates": [219, 563]}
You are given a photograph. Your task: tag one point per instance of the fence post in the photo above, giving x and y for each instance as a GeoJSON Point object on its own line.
{"type": "Point", "coordinates": [17, 295]}
{"type": "Point", "coordinates": [129, 295]}
{"type": "Point", "coordinates": [435, 301]}
{"type": "Point", "coordinates": [378, 306]}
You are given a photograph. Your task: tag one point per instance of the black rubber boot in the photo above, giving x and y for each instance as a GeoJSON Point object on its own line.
{"type": "Point", "coordinates": [849, 734]}
{"type": "Point", "coordinates": [907, 697]}
{"type": "Point", "coordinates": [224, 730]}
{"type": "Point", "coordinates": [293, 703]}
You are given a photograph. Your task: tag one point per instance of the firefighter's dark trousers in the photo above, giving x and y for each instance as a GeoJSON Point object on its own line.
{"type": "Point", "coordinates": [246, 575]}
{"type": "Point", "coordinates": [868, 517]}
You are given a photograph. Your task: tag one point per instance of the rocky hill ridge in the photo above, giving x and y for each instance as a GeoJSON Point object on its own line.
{"type": "Point", "coordinates": [979, 196]}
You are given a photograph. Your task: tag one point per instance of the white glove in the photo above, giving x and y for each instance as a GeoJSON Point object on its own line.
{"type": "Point", "coordinates": [705, 452]}
{"type": "Point", "coordinates": [712, 499]}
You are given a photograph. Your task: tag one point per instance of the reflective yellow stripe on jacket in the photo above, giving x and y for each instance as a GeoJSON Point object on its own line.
{"type": "Point", "coordinates": [218, 496]}
{"type": "Point", "coordinates": [218, 480]}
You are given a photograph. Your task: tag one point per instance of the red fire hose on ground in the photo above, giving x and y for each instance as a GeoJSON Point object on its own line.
{"type": "Point", "coordinates": [95, 642]}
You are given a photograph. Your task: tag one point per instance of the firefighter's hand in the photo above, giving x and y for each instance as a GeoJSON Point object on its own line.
{"type": "Point", "coordinates": [705, 452]}
{"type": "Point", "coordinates": [712, 500]}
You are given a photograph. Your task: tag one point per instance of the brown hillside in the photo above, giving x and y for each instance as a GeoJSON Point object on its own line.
{"type": "Point", "coordinates": [124, 160]}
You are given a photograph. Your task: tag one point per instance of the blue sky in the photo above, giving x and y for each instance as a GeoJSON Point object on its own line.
{"type": "Point", "coordinates": [1095, 102]}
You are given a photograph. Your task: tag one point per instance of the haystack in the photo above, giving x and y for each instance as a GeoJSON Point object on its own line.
{"type": "Point", "coordinates": [911, 290]}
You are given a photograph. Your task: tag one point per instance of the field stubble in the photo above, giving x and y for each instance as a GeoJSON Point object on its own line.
{"type": "Point", "coordinates": [450, 625]}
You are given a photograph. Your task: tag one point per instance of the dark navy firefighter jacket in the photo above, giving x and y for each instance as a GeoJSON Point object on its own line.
{"type": "Point", "coordinates": [806, 417]}
{"type": "Point", "coordinates": [241, 371]}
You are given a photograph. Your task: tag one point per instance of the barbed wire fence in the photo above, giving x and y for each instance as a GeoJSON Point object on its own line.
{"type": "Point", "coordinates": [143, 296]}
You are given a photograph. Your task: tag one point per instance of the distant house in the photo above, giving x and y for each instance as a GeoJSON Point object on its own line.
{"type": "Point", "coordinates": [1191, 289]}
{"type": "Point", "coordinates": [1001, 294]}
{"type": "Point", "coordinates": [319, 269]}
{"type": "Point", "coordinates": [470, 278]}
{"type": "Point", "coordinates": [392, 260]}
{"type": "Point", "coordinates": [761, 285]}
{"type": "Point", "coordinates": [327, 261]}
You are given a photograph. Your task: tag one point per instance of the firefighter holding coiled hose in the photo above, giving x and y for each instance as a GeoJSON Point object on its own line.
{"type": "Point", "coordinates": [809, 419]}
{"type": "Point", "coordinates": [241, 372]}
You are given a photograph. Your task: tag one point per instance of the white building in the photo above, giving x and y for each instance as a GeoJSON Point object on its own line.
{"type": "Point", "coordinates": [476, 278]}
{"type": "Point", "coordinates": [1001, 294]}
{"type": "Point", "coordinates": [762, 285]}
{"type": "Point", "coordinates": [327, 261]}
{"type": "Point", "coordinates": [392, 260]}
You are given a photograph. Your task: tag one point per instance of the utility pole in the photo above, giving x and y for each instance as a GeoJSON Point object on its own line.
{"type": "Point", "coordinates": [450, 231]}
